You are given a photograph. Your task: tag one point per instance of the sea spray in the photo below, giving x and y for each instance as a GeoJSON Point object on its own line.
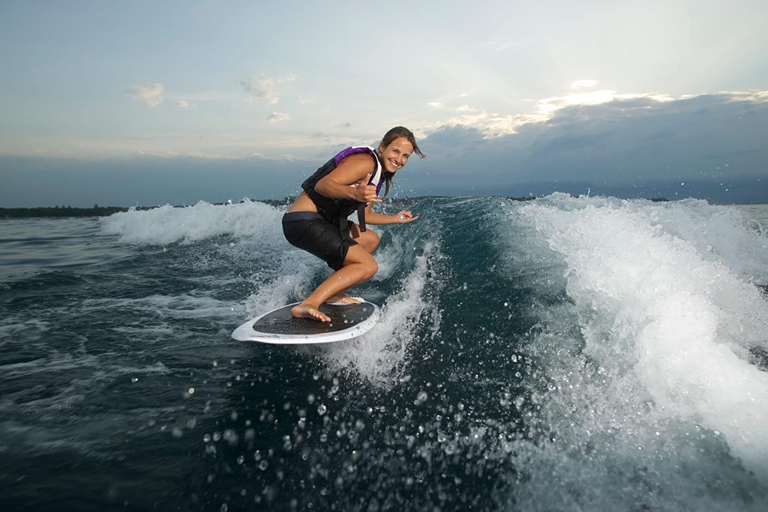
{"type": "Point", "coordinates": [168, 224]}
{"type": "Point", "coordinates": [380, 356]}
{"type": "Point", "coordinates": [522, 383]}
{"type": "Point", "coordinates": [659, 360]}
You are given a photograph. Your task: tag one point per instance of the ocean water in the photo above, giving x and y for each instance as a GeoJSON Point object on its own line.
{"type": "Point", "coordinates": [551, 355]}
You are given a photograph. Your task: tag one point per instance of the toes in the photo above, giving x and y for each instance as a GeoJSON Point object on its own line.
{"type": "Point", "coordinates": [305, 311]}
{"type": "Point", "coordinates": [318, 315]}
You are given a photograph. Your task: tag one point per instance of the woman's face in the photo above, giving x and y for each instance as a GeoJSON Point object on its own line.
{"type": "Point", "coordinates": [396, 155]}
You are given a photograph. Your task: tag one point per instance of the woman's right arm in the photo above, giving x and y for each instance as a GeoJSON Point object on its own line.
{"type": "Point", "coordinates": [350, 180]}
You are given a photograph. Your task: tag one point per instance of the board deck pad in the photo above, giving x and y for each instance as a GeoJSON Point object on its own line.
{"type": "Point", "coordinates": [278, 326]}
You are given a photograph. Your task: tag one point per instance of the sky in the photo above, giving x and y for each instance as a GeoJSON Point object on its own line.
{"type": "Point", "coordinates": [143, 103]}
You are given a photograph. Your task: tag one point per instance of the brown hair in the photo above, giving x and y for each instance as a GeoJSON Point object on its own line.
{"type": "Point", "coordinates": [389, 137]}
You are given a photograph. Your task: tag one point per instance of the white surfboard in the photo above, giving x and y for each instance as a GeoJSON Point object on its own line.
{"type": "Point", "coordinates": [279, 327]}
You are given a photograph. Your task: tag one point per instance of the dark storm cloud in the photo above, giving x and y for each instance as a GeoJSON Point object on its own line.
{"type": "Point", "coordinates": [637, 144]}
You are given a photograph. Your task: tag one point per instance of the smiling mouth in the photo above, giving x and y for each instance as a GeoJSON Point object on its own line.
{"type": "Point", "coordinates": [395, 164]}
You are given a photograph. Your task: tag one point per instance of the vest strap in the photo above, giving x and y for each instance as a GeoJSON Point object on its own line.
{"type": "Point", "coordinates": [361, 216]}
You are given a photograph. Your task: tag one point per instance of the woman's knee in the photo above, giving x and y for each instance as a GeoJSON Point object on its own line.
{"type": "Point", "coordinates": [371, 268]}
{"type": "Point", "coordinates": [370, 240]}
{"type": "Point", "coordinates": [359, 256]}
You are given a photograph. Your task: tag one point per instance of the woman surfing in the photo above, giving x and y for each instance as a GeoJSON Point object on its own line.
{"type": "Point", "coordinates": [317, 221]}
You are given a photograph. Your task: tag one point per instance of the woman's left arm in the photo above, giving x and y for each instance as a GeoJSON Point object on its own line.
{"type": "Point", "coordinates": [378, 219]}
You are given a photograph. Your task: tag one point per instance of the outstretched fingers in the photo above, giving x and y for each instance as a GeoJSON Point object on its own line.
{"type": "Point", "coordinates": [405, 216]}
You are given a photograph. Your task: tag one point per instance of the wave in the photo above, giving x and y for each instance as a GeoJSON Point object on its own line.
{"type": "Point", "coordinates": [652, 352]}
{"type": "Point", "coordinates": [555, 354]}
{"type": "Point", "coordinates": [168, 224]}
{"type": "Point", "coordinates": [381, 356]}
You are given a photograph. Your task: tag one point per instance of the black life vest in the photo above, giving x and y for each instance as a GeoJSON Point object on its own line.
{"type": "Point", "coordinates": [336, 211]}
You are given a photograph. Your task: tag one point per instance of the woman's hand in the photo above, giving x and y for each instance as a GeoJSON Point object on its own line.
{"type": "Point", "coordinates": [365, 193]}
{"type": "Point", "coordinates": [404, 217]}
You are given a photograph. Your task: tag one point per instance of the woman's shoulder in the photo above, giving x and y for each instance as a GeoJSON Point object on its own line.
{"type": "Point", "coordinates": [363, 161]}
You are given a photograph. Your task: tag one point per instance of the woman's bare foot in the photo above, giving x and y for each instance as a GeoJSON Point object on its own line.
{"type": "Point", "coordinates": [306, 311]}
{"type": "Point", "coordinates": [342, 299]}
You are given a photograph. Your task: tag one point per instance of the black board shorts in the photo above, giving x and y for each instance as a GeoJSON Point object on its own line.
{"type": "Point", "coordinates": [311, 232]}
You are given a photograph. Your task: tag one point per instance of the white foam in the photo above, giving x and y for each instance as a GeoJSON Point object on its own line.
{"type": "Point", "coordinates": [168, 224]}
{"type": "Point", "coordinates": [390, 257]}
{"type": "Point", "coordinates": [665, 314]}
{"type": "Point", "coordinates": [287, 281]}
{"type": "Point", "coordinates": [381, 355]}
{"type": "Point", "coordinates": [717, 233]}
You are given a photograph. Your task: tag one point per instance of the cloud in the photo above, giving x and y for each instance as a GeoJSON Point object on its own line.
{"type": "Point", "coordinates": [550, 105]}
{"type": "Point", "coordinates": [627, 145]}
{"type": "Point", "coordinates": [636, 145]}
{"type": "Point", "coordinates": [265, 87]}
{"type": "Point", "coordinates": [260, 87]}
{"type": "Point", "coordinates": [757, 96]}
{"type": "Point", "coordinates": [579, 84]}
{"type": "Point", "coordinates": [493, 124]}
{"type": "Point", "coordinates": [185, 104]}
{"type": "Point", "coordinates": [151, 95]}
{"type": "Point", "coordinates": [277, 117]}
{"type": "Point", "coordinates": [346, 124]}
{"type": "Point", "coordinates": [449, 99]}
{"type": "Point", "coordinates": [490, 124]}
{"type": "Point", "coordinates": [500, 44]}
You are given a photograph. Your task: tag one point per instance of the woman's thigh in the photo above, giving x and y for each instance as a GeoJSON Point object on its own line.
{"type": "Point", "coordinates": [369, 239]}
{"type": "Point", "coordinates": [320, 238]}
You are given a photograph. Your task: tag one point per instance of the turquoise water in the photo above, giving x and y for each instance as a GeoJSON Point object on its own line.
{"type": "Point", "coordinates": [558, 354]}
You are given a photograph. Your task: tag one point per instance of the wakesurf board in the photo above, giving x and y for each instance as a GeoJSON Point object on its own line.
{"type": "Point", "coordinates": [279, 327]}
